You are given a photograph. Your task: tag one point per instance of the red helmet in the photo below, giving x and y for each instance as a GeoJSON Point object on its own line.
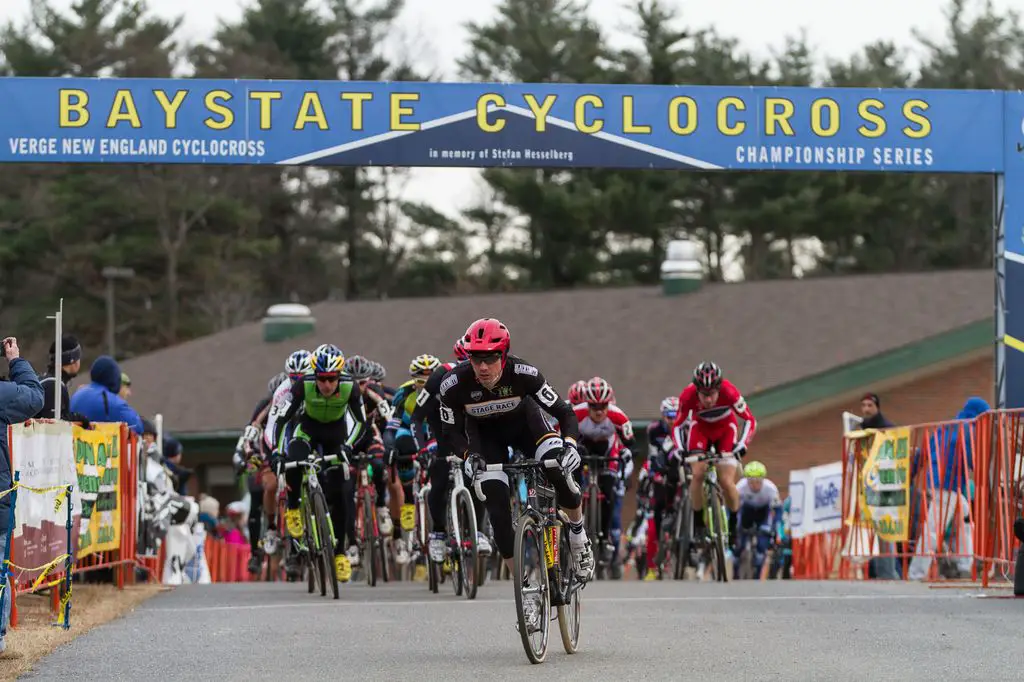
{"type": "Point", "coordinates": [575, 394]}
{"type": "Point", "coordinates": [598, 391]}
{"type": "Point", "coordinates": [460, 350]}
{"type": "Point", "coordinates": [487, 335]}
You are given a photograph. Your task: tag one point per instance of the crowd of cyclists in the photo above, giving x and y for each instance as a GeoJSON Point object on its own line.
{"type": "Point", "coordinates": [486, 407]}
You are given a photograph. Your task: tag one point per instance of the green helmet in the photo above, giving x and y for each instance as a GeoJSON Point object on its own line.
{"type": "Point", "coordinates": [755, 470]}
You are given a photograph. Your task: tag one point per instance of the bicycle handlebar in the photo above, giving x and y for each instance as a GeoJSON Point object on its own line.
{"type": "Point", "coordinates": [508, 467]}
{"type": "Point", "coordinates": [710, 457]}
{"type": "Point", "coordinates": [313, 460]}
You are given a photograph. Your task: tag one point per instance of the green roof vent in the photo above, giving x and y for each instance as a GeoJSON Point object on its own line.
{"type": "Point", "coordinates": [287, 321]}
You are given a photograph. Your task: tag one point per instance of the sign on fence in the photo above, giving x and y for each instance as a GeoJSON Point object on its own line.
{"type": "Point", "coordinates": [884, 486]}
{"type": "Point", "coordinates": [816, 499]}
{"type": "Point", "coordinates": [98, 461]}
{"type": "Point", "coordinates": [44, 454]}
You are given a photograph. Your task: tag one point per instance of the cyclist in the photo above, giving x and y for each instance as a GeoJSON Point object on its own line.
{"type": "Point", "coordinates": [399, 442]}
{"type": "Point", "coordinates": [361, 369]}
{"type": "Point", "coordinates": [426, 423]}
{"type": "Point", "coordinates": [328, 399]}
{"type": "Point", "coordinates": [377, 381]}
{"type": "Point", "coordinates": [710, 405]}
{"type": "Point", "coordinates": [605, 430]}
{"type": "Point", "coordinates": [757, 516]}
{"type": "Point", "coordinates": [575, 393]}
{"type": "Point", "coordinates": [298, 365]}
{"type": "Point", "coordinates": [485, 410]}
{"type": "Point", "coordinates": [659, 483]}
{"type": "Point", "coordinates": [250, 461]}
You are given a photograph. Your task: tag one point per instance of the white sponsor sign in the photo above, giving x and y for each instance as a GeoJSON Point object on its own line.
{"type": "Point", "coordinates": [816, 499]}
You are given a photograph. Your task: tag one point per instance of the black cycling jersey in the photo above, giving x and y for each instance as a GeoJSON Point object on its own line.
{"type": "Point", "coordinates": [428, 407]}
{"type": "Point", "coordinates": [462, 395]}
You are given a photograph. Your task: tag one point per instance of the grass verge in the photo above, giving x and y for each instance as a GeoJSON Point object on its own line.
{"type": "Point", "coordinates": [91, 605]}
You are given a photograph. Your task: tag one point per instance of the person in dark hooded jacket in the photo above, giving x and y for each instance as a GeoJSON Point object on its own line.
{"type": "Point", "coordinates": [951, 452]}
{"type": "Point", "coordinates": [70, 362]}
{"type": "Point", "coordinates": [100, 402]}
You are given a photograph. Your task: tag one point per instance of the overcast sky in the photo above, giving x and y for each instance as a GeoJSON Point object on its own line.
{"type": "Point", "coordinates": [836, 29]}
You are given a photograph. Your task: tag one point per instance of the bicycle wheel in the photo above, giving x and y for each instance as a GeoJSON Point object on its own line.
{"type": "Point", "coordinates": [467, 545]}
{"type": "Point", "coordinates": [568, 614]}
{"type": "Point", "coordinates": [454, 551]}
{"type": "Point", "coordinates": [530, 546]}
{"type": "Point", "coordinates": [326, 541]}
{"type": "Point", "coordinates": [594, 527]}
{"type": "Point", "coordinates": [683, 535]}
{"type": "Point", "coordinates": [717, 533]}
{"type": "Point", "coordinates": [370, 535]}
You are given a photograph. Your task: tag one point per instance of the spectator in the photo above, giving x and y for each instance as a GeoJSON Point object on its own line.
{"type": "Point", "coordinates": [883, 567]}
{"type": "Point", "coordinates": [173, 452]}
{"type": "Point", "coordinates": [21, 398]}
{"type": "Point", "coordinates": [233, 533]}
{"type": "Point", "coordinates": [948, 484]}
{"type": "Point", "coordinates": [871, 413]}
{"type": "Point", "coordinates": [70, 365]}
{"type": "Point", "coordinates": [126, 387]}
{"type": "Point", "coordinates": [100, 402]}
{"type": "Point", "coordinates": [209, 511]}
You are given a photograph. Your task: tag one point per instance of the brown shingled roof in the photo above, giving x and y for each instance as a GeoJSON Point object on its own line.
{"type": "Point", "coordinates": [763, 334]}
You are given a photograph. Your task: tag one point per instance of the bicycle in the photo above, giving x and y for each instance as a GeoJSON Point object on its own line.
{"type": "Point", "coordinates": [318, 531]}
{"type": "Point", "coordinates": [676, 537]}
{"type": "Point", "coordinates": [461, 543]}
{"type": "Point", "coordinates": [592, 497]}
{"type": "Point", "coordinates": [539, 534]}
{"type": "Point", "coordinates": [371, 541]}
{"type": "Point", "coordinates": [411, 521]}
{"type": "Point", "coordinates": [745, 554]}
{"type": "Point", "coordinates": [716, 522]}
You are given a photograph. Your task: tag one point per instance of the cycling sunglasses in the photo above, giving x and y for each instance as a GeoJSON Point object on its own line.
{"type": "Point", "coordinates": [327, 378]}
{"type": "Point", "coordinates": [484, 358]}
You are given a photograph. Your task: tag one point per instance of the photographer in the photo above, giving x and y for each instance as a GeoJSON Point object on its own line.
{"type": "Point", "coordinates": [21, 398]}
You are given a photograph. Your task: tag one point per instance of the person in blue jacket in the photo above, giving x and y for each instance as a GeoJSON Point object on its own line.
{"type": "Point", "coordinates": [100, 402]}
{"type": "Point", "coordinates": [948, 486]}
{"type": "Point", "coordinates": [21, 398]}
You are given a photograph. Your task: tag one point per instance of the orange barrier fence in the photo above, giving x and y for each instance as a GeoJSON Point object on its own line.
{"type": "Point", "coordinates": [227, 562]}
{"type": "Point", "coordinates": [928, 502]}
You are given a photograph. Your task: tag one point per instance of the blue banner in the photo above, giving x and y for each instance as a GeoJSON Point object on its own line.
{"type": "Point", "coordinates": [71, 120]}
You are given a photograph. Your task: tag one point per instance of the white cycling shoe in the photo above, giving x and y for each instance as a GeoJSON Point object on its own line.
{"type": "Point", "coordinates": [582, 556]}
{"type": "Point", "coordinates": [483, 545]}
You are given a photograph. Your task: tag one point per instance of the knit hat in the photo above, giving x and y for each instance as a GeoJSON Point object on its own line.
{"type": "Point", "coordinates": [70, 350]}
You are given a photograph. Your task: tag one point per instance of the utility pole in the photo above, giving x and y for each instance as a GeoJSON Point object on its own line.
{"type": "Point", "coordinates": [113, 273]}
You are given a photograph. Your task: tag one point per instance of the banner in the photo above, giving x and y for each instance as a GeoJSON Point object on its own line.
{"type": "Point", "coordinates": [884, 490]}
{"type": "Point", "coordinates": [816, 499]}
{"type": "Point", "coordinates": [43, 453]}
{"type": "Point", "coordinates": [112, 120]}
{"type": "Point", "coordinates": [98, 462]}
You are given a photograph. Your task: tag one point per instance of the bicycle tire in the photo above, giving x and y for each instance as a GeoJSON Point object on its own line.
{"type": "Point", "coordinates": [453, 544]}
{"type": "Point", "coordinates": [529, 524]}
{"type": "Point", "coordinates": [326, 537]}
{"type": "Point", "coordinates": [718, 533]}
{"type": "Point", "coordinates": [568, 614]}
{"type": "Point", "coordinates": [594, 526]}
{"type": "Point", "coordinates": [468, 551]}
{"type": "Point", "coordinates": [381, 554]}
{"type": "Point", "coordinates": [369, 537]}
{"type": "Point", "coordinates": [684, 536]}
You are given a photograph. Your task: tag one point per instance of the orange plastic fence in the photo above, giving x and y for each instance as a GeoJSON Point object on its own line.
{"type": "Point", "coordinates": [964, 490]}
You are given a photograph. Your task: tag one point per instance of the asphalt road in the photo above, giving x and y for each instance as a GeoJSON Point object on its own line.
{"type": "Point", "coordinates": [791, 630]}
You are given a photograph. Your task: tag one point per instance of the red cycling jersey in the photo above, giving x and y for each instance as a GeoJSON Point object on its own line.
{"type": "Point", "coordinates": [607, 437]}
{"type": "Point", "coordinates": [716, 425]}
